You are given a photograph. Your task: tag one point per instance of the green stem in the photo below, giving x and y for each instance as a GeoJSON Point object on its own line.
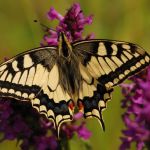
{"type": "Point", "coordinates": [147, 145]}
{"type": "Point", "coordinates": [63, 144]}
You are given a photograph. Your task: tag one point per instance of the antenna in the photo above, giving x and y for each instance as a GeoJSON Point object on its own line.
{"type": "Point", "coordinates": [46, 28]}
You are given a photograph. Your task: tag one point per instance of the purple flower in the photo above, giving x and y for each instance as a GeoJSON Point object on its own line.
{"type": "Point", "coordinates": [53, 14]}
{"type": "Point", "coordinates": [137, 115]}
{"type": "Point", "coordinates": [45, 142]}
{"type": "Point", "coordinates": [18, 120]}
{"type": "Point", "coordinates": [83, 132]}
{"type": "Point", "coordinates": [72, 24]}
{"type": "Point", "coordinates": [77, 116]}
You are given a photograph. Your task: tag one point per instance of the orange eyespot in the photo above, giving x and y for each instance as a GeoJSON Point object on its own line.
{"type": "Point", "coordinates": [80, 106]}
{"type": "Point", "coordinates": [71, 105]}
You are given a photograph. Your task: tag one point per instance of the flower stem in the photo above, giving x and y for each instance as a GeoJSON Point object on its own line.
{"type": "Point", "coordinates": [63, 144]}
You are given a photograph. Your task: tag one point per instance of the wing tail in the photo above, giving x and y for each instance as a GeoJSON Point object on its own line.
{"type": "Point", "coordinates": [93, 106]}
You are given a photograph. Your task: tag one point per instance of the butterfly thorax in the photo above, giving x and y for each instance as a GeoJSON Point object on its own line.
{"type": "Point", "coordinates": [64, 47]}
{"type": "Point", "coordinates": [68, 64]}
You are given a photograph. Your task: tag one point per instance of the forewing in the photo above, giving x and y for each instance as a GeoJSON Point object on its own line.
{"type": "Point", "coordinates": [104, 64]}
{"type": "Point", "coordinates": [111, 62]}
{"type": "Point", "coordinates": [23, 76]}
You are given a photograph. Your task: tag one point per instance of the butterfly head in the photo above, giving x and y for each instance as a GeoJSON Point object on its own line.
{"type": "Point", "coordinates": [64, 45]}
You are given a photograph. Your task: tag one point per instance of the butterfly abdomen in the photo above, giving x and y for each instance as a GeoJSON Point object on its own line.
{"type": "Point", "coordinates": [69, 74]}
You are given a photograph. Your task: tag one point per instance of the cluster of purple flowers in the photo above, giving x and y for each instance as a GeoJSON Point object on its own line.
{"type": "Point", "coordinates": [18, 120]}
{"type": "Point", "coordinates": [72, 24]}
{"type": "Point", "coordinates": [137, 115]}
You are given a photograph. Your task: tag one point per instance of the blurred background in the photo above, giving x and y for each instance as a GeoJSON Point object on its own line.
{"type": "Point", "coordinates": [124, 20]}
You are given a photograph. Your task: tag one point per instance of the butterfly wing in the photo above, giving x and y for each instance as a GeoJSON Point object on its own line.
{"type": "Point", "coordinates": [33, 76]}
{"type": "Point", "coordinates": [105, 64]}
{"type": "Point", "coordinates": [19, 76]}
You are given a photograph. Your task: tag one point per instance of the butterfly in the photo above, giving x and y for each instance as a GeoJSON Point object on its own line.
{"type": "Point", "coordinates": [55, 79]}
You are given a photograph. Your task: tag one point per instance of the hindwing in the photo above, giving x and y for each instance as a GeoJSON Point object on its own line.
{"type": "Point", "coordinates": [92, 96]}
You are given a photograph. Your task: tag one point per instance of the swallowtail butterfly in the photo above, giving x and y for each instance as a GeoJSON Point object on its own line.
{"type": "Point", "coordinates": [84, 73]}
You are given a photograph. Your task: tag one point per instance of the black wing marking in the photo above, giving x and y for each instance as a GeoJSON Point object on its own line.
{"type": "Point", "coordinates": [93, 96]}
{"type": "Point", "coordinates": [105, 64]}
{"type": "Point", "coordinates": [19, 76]}
{"type": "Point", "coordinates": [92, 99]}
{"type": "Point", "coordinates": [56, 106]}
{"type": "Point", "coordinates": [111, 62]}
{"type": "Point", "coordinates": [53, 101]}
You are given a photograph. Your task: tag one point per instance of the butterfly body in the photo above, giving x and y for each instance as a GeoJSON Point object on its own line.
{"type": "Point", "coordinates": [54, 79]}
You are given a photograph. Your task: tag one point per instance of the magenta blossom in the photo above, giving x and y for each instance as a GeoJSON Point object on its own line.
{"type": "Point", "coordinates": [72, 24]}
{"type": "Point", "coordinates": [137, 115]}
